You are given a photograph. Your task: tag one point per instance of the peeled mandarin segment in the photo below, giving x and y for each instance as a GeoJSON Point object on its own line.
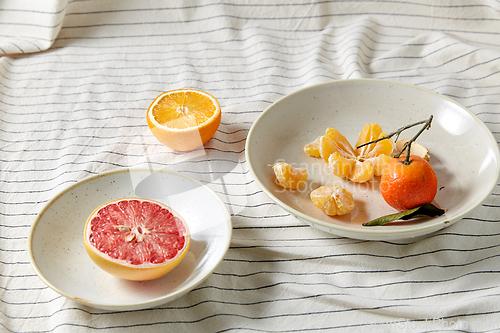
{"type": "Point", "coordinates": [382, 147]}
{"type": "Point", "coordinates": [371, 132]}
{"type": "Point", "coordinates": [344, 200]}
{"type": "Point", "coordinates": [326, 148]}
{"type": "Point", "coordinates": [330, 207]}
{"type": "Point", "coordinates": [321, 198]}
{"type": "Point", "coordinates": [340, 166]}
{"type": "Point", "coordinates": [343, 146]}
{"type": "Point", "coordinates": [362, 172]}
{"type": "Point", "coordinates": [379, 162]}
{"type": "Point", "coordinates": [358, 165]}
{"type": "Point", "coordinates": [333, 200]}
{"type": "Point", "coordinates": [288, 176]}
{"type": "Point", "coordinates": [334, 141]}
{"type": "Point", "coordinates": [312, 149]}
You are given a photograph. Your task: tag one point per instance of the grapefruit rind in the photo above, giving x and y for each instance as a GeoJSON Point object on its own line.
{"type": "Point", "coordinates": [128, 271]}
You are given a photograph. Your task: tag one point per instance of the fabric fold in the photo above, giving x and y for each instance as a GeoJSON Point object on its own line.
{"type": "Point", "coordinates": [30, 26]}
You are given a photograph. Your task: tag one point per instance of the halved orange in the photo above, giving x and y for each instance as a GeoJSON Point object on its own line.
{"type": "Point", "coordinates": [184, 119]}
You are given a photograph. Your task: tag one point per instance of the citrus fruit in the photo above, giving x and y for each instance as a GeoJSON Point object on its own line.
{"type": "Point", "coordinates": [379, 163]}
{"type": "Point", "coordinates": [405, 186]}
{"type": "Point", "coordinates": [136, 239]}
{"type": "Point", "coordinates": [333, 200]}
{"type": "Point", "coordinates": [312, 148]}
{"type": "Point", "coordinates": [288, 176]}
{"type": "Point", "coordinates": [358, 165]}
{"type": "Point", "coordinates": [184, 119]}
{"type": "Point", "coordinates": [371, 132]}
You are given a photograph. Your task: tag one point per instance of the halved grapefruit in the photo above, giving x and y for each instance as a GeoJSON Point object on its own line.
{"type": "Point", "coordinates": [136, 239]}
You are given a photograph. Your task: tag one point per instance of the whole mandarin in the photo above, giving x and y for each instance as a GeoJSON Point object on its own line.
{"type": "Point", "coordinates": [405, 186]}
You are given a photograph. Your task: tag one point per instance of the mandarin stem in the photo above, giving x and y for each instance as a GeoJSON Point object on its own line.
{"type": "Point", "coordinates": [396, 132]}
{"type": "Point", "coordinates": [408, 144]}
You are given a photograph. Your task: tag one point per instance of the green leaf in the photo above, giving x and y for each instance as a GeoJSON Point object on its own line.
{"type": "Point", "coordinates": [426, 210]}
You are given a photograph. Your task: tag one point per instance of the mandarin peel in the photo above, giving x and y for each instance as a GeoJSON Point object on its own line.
{"type": "Point", "coordinates": [427, 125]}
{"type": "Point", "coordinates": [416, 149]}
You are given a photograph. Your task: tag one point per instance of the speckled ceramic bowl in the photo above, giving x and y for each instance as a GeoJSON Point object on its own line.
{"type": "Point", "coordinates": [58, 255]}
{"type": "Point", "coordinates": [464, 153]}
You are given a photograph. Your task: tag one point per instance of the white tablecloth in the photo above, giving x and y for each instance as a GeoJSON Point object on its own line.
{"type": "Point", "coordinates": [76, 78]}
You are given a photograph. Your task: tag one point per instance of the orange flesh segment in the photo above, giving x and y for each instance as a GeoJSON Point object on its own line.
{"type": "Point", "coordinates": [183, 110]}
{"type": "Point", "coordinates": [326, 148]}
{"type": "Point", "coordinates": [334, 141]}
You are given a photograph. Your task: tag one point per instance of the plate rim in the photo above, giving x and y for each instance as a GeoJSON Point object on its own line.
{"type": "Point", "coordinates": [129, 306]}
{"type": "Point", "coordinates": [371, 233]}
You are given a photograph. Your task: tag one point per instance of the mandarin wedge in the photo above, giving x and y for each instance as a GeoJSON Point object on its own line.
{"type": "Point", "coordinates": [340, 166]}
{"type": "Point", "coordinates": [358, 165]}
{"type": "Point", "coordinates": [362, 172]}
{"type": "Point", "coordinates": [378, 163]}
{"type": "Point", "coordinates": [342, 145]}
{"type": "Point", "coordinates": [288, 176]}
{"type": "Point", "coordinates": [333, 200]}
{"type": "Point", "coordinates": [312, 148]}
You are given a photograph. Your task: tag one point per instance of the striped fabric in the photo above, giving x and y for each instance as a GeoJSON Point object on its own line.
{"type": "Point", "coordinates": [76, 78]}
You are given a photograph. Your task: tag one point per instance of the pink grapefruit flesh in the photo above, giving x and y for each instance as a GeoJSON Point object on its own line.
{"type": "Point", "coordinates": [136, 239]}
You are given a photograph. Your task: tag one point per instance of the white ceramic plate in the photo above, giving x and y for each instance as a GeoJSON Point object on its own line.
{"type": "Point", "coordinates": [56, 239]}
{"type": "Point", "coordinates": [464, 153]}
